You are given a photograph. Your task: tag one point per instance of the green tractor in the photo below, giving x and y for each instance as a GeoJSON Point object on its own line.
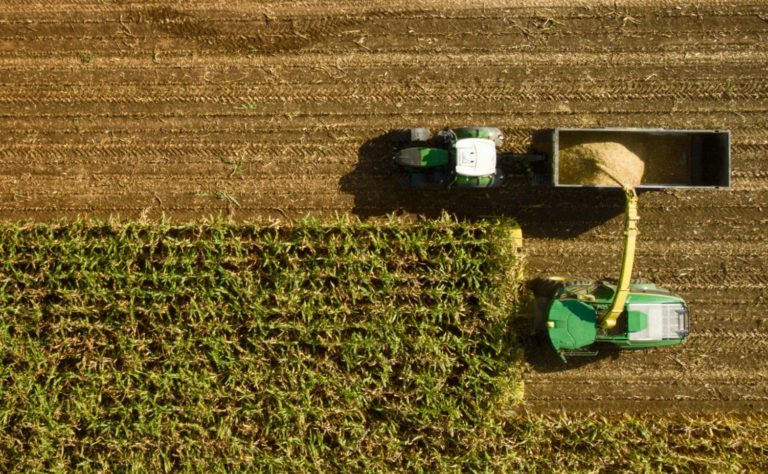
{"type": "Point", "coordinates": [463, 157]}
{"type": "Point", "coordinates": [579, 317]}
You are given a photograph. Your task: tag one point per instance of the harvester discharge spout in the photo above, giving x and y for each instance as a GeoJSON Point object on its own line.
{"type": "Point", "coordinates": [608, 319]}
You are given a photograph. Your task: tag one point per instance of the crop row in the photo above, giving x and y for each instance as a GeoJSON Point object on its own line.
{"type": "Point", "coordinates": [160, 346]}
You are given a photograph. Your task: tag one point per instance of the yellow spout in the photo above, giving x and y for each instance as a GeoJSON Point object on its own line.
{"type": "Point", "coordinates": [627, 261]}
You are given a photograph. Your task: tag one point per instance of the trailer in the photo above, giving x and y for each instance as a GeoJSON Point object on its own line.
{"type": "Point", "coordinates": [692, 159]}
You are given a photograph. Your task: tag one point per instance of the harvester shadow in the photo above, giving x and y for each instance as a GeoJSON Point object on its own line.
{"type": "Point", "coordinates": [380, 187]}
{"type": "Point", "coordinates": [541, 357]}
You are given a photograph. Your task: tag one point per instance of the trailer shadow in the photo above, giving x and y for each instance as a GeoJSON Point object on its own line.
{"type": "Point", "coordinates": [379, 188]}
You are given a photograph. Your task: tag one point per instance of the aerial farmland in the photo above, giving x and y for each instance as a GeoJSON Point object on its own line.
{"type": "Point", "coordinates": [266, 113]}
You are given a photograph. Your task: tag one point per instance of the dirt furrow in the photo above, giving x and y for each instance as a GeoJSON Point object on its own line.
{"type": "Point", "coordinates": [328, 129]}
{"type": "Point", "coordinates": [251, 97]}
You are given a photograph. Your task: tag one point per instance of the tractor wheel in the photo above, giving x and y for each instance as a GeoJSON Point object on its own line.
{"type": "Point", "coordinates": [491, 133]}
{"type": "Point", "coordinates": [577, 282]}
{"type": "Point", "coordinates": [641, 284]}
{"type": "Point", "coordinates": [545, 287]}
{"type": "Point", "coordinates": [445, 138]}
{"type": "Point", "coordinates": [421, 134]}
{"type": "Point", "coordinates": [406, 136]}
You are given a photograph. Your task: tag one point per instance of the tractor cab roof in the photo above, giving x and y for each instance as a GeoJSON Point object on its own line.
{"type": "Point", "coordinates": [475, 157]}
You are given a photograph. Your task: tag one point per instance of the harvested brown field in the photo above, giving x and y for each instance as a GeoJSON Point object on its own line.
{"type": "Point", "coordinates": [274, 110]}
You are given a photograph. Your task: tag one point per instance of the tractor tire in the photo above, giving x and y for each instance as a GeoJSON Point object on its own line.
{"type": "Point", "coordinates": [577, 282]}
{"type": "Point", "coordinates": [407, 136]}
{"type": "Point", "coordinates": [491, 133]}
{"type": "Point", "coordinates": [544, 287]}
{"type": "Point", "coordinates": [421, 134]}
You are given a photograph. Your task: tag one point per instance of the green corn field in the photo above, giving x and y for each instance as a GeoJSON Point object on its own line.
{"type": "Point", "coordinates": [306, 345]}
{"type": "Point", "coordinates": [344, 346]}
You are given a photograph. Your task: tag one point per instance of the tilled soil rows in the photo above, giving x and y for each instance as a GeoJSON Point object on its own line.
{"type": "Point", "coordinates": [275, 111]}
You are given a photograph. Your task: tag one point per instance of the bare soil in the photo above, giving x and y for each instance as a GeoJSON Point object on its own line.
{"type": "Point", "coordinates": [267, 110]}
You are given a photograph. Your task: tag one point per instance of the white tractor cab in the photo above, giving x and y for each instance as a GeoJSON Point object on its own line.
{"type": "Point", "coordinates": [464, 156]}
{"type": "Point", "coordinates": [475, 157]}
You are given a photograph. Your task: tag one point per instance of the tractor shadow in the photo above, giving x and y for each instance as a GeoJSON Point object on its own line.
{"type": "Point", "coordinates": [380, 187]}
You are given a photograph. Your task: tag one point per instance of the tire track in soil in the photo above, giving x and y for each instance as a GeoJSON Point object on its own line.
{"type": "Point", "coordinates": [253, 96]}
{"type": "Point", "coordinates": [183, 104]}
